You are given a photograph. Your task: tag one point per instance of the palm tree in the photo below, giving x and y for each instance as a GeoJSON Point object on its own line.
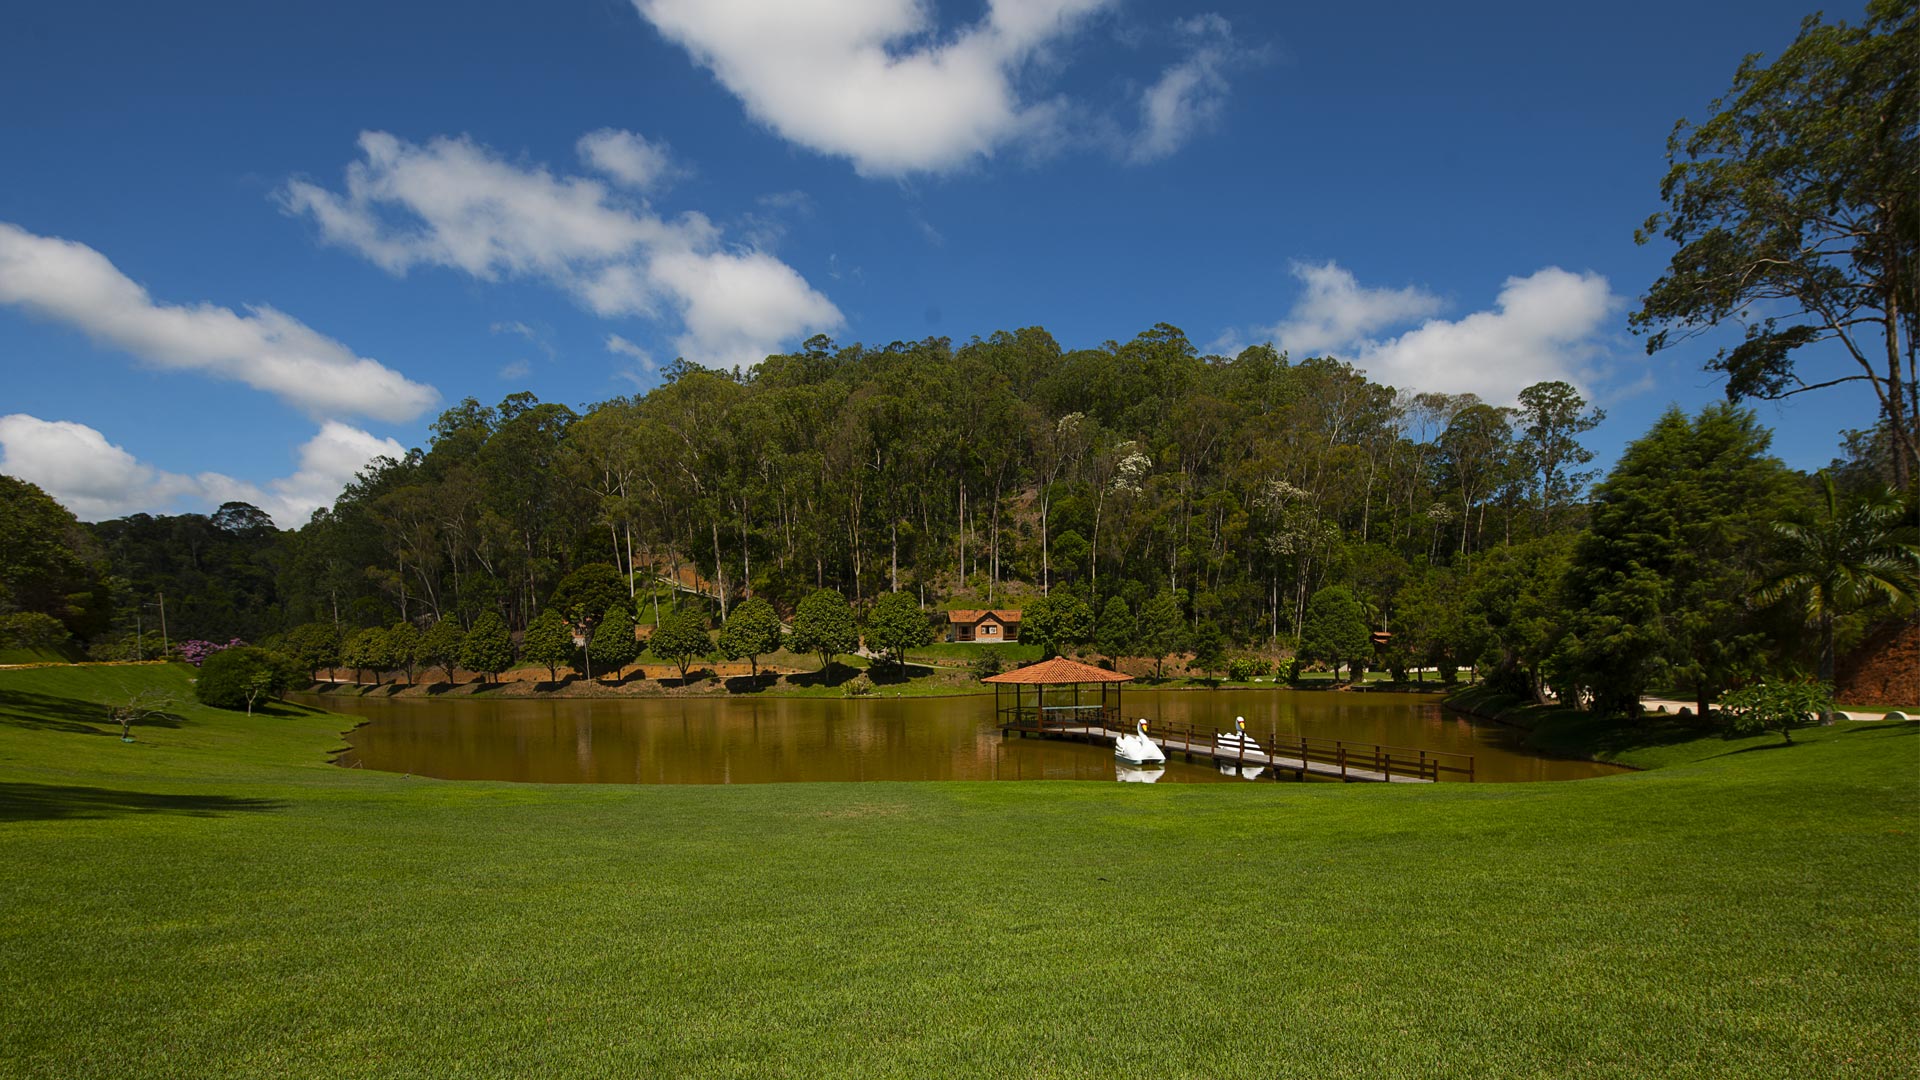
{"type": "Point", "coordinates": [1844, 556]}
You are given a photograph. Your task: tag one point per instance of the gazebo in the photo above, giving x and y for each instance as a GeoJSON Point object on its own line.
{"type": "Point", "coordinates": [1065, 706]}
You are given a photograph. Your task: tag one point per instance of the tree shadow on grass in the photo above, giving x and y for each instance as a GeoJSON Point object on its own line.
{"type": "Point", "coordinates": [1882, 729]}
{"type": "Point", "coordinates": [889, 674]}
{"type": "Point", "coordinates": [44, 712]}
{"type": "Point", "coordinates": [750, 684]}
{"type": "Point", "coordinates": [50, 802]}
{"type": "Point", "coordinates": [833, 675]}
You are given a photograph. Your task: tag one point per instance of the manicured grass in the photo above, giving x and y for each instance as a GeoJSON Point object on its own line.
{"type": "Point", "coordinates": [215, 900]}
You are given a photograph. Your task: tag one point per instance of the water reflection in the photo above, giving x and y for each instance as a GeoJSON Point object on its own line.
{"type": "Point", "coordinates": [1137, 774]}
{"type": "Point", "coordinates": [761, 740]}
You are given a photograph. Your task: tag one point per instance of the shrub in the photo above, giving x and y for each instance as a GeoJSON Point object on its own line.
{"type": "Point", "coordinates": [241, 677]}
{"type": "Point", "coordinates": [31, 630]}
{"type": "Point", "coordinates": [991, 661]}
{"type": "Point", "coordinates": [1776, 706]}
{"type": "Point", "coordinates": [859, 685]}
{"type": "Point", "coordinates": [196, 652]}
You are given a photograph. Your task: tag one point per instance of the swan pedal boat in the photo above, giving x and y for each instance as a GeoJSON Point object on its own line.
{"type": "Point", "coordinates": [1136, 749]}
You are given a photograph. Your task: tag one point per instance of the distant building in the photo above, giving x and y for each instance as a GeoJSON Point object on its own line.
{"type": "Point", "coordinates": [986, 626]}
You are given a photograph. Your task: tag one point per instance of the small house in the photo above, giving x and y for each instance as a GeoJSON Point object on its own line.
{"type": "Point", "coordinates": [983, 626]}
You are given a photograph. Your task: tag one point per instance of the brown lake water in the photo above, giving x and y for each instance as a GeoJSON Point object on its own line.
{"type": "Point", "coordinates": [747, 740]}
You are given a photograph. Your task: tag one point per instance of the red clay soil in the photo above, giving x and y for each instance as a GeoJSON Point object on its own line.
{"type": "Point", "coordinates": [1884, 669]}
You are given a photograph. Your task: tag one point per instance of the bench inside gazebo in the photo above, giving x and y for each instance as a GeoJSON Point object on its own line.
{"type": "Point", "coordinates": [1056, 694]}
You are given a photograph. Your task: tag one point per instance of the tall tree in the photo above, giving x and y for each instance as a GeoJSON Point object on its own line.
{"type": "Point", "coordinates": [48, 562]}
{"type": "Point", "coordinates": [1161, 629]}
{"type": "Point", "coordinates": [1658, 586]}
{"type": "Point", "coordinates": [403, 648]}
{"type": "Point", "coordinates": [1843, 556]}
{"type": "Point", "coordinates": [1553, 416]}
{"type": "Point", "coordinates": [1336, 630]}
{"type": "Point", "coordinates": [1113, 635]}
{"type": "Point", "coordinates": [1796, 201]}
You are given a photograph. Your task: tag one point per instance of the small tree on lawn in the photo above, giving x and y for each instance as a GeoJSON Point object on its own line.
{"type": "Point", "coordinates": [751, 631]}
{"type": "Point", "coordinates": [1160, 629]}
{"type": "Point", "coordinates": [442, 646]}
{"type": "Point", "coordinates": [548, 642]}
{"type": "Point", "coordinates": [1777, 706]}
{"type": "Point", "coordinates": [403, 648]}
{"type": "Point", "coordinates": [1335, 629]}
{"type": "Point", "coordinates": [137, 707]}
{"type": "Point", "coordinates": [896, 624]}
{"type": "Point", "coordinates": [682, 639]}
{"type": "Point", "coordinates": [824, 624]}
{"type": "Point", "coordinates": [613, 644]}
{"type": "Point", "coordinates": [1209, 650]}
{"type": "Point", "coordinates": [238, 678]}
{"type": "Point", "coordinates": [488, 649]}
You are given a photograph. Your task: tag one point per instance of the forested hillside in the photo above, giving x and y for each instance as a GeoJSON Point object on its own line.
{"type": "Point", "coordinates": [1138, 477]}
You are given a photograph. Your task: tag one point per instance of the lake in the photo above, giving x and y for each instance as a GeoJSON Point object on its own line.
{"type": "Point", "coordinates": [756, 740]}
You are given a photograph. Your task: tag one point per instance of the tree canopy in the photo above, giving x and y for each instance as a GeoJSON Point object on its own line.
{"type": "Point", "coordinates": [1794, 210]}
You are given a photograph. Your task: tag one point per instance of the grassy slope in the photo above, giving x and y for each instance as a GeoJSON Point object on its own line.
{"type": "Point", "coordinates": [214, 900]}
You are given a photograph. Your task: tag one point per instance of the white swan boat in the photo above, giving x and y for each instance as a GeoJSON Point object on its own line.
{"type": "Point", "coordinates": [1236, 742]}
{"type": "Point", "coordinates": [1135, 748]}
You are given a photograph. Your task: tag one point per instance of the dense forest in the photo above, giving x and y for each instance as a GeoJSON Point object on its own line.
{"type": "Point", "coordinates": [1247, 493]}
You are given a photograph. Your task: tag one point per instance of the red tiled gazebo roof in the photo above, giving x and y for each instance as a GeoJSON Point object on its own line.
{"type": "Point", "coordinates": [1058, 671]}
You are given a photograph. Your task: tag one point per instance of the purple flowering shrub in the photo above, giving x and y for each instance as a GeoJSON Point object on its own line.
{"type": "Point", "coordinates": [196, 652]}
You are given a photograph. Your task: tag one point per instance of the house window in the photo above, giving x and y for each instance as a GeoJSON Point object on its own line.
{"type": "Point", "coordinates": [989, 631]}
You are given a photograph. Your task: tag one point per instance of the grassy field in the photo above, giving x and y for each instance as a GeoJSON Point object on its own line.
{"type": "Point", "coordinates": [214, 900]}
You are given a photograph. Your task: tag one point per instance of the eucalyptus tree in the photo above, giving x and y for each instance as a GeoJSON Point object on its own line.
{"type": "Point", "coordinates": [1552, 417]}
{"type": "Point", "coordinates": [1795, 212]}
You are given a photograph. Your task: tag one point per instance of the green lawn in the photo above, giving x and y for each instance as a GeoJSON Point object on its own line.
{"type": "Point", "coordinates": [214, 900]}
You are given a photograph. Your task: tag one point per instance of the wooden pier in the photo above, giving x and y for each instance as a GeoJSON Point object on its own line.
{"type": "Point", "coordinates": [1302, 756]}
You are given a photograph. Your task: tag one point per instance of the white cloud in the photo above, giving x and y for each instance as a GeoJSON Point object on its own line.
{"type": "Point", "coordinates": [620, 346]}
{"type": "Point", "coordinates": [265, 349]}
{"type": "Point", "coordinates": [96, 479]}
{"type": "Point", "coordinates": [1552, 324]}
{"type": "Point", "coordinates": [1188, 97]}
{"type": "Point", "coordinates": [1336, 312]}
{"type": "Point", "coordinates": [1548, 325]}
{"type": "Point", "coordinates": [519, 369]}
{"type": "Point", "coordinates": [459, 205]}
{"type": "Point", "coordinates": [628, 159]}
{"type": "Point", "coordinates": [877, 81]}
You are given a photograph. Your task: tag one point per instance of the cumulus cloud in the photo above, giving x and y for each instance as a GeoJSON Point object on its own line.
{"type": "Point", "coordinates": [1189, 96]}
{"type": "Point", "coordinates": [628, 159]}
{"type": "Point", "coordinates": [877, 81]}
{"type": "Point", "coordinates": [96, 479]}
{"type": "Point", "coordinates": [1335, 311]}
{"type": "Point", "coordinates": [74, 284]}
{"type": "Point", "coordinates": [454, 203]}
{"type": "Point", "coordinates": [1552, 324]}
{"type": "Point", "coordinates": [1548, 325]}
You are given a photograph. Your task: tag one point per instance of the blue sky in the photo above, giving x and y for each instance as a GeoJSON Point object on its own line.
{"type": "Point", "coordinates": [244, 247]}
